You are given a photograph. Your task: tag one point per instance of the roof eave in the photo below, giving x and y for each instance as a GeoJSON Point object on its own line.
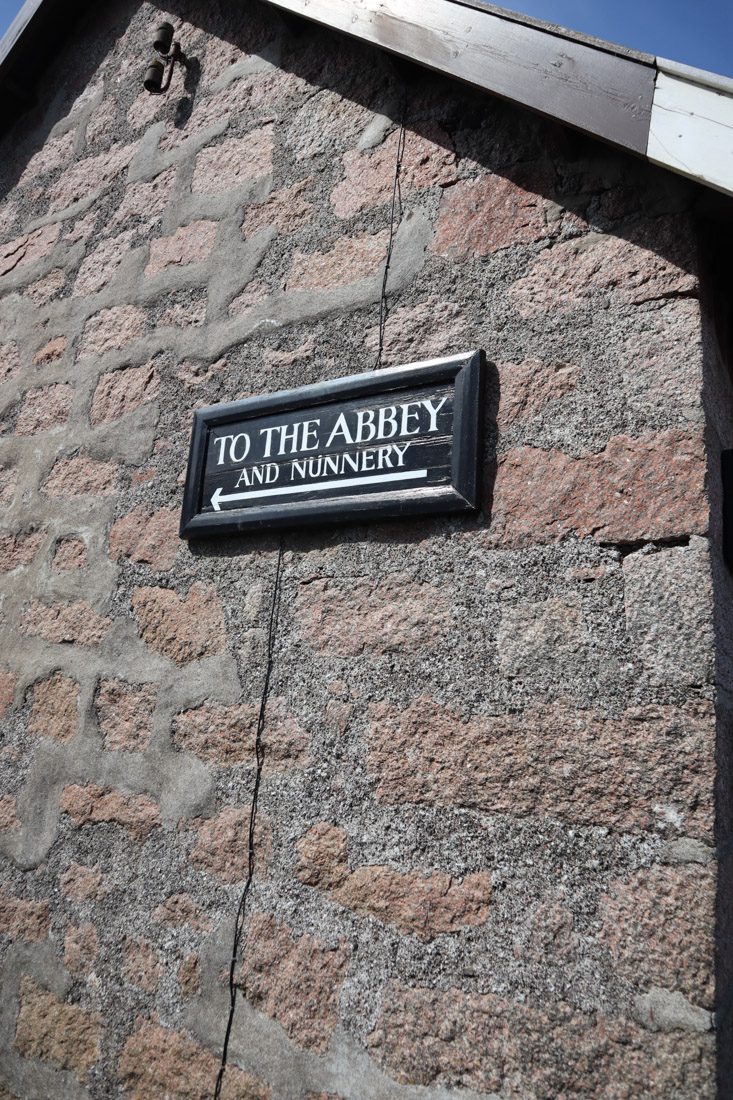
{"type": "Point", "coordinates": [675, 116]}
{"type": "Point", "coordinates": [620, 96]}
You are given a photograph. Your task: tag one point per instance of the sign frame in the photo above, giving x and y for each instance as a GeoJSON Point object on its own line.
{"type": "Point", "coordinates": [465, 371]}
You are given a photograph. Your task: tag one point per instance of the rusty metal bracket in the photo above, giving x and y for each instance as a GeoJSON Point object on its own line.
{"type": "Point", "coordinates": [154, 83]}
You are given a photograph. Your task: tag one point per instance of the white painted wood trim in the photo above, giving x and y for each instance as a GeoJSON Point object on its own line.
{"type": "Point", "coordinates": [691, 130]}
{"type": "Point", "coordinates": [18, 26]}
{"type": "Point", "coordinates": [695, 76]}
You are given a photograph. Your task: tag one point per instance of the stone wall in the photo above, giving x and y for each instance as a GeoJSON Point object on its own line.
{"type": "Point", "coordinates": [485, 843]}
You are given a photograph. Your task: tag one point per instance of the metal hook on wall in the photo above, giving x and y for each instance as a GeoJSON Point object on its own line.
{"type": "Point", "coordinates": [171, 52]}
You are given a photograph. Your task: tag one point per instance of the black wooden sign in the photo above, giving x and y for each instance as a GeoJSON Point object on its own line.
{"type": "Point", "coordinates": [390, 443]}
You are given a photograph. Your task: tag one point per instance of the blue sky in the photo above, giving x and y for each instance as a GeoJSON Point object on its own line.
{"type": "Point", "coordinates": [698, 33]}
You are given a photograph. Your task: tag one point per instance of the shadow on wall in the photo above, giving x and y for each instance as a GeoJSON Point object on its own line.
{"type": "Point", "coordinates": [717, 244]}
{"type": "Point", "coordinates": [185, 105]}
{"type": "Point", "coordinates": [518, 149]}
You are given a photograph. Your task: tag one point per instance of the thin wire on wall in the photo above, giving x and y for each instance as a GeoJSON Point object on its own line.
{"type": "Point", "coordinates": [272, 629]}
{"type": "Point", "coordinates": [396, 199]}
{"type": "Point", "coordinates": [260, 759]}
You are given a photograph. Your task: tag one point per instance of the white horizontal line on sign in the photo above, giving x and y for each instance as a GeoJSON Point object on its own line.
{"type": "Point", "coordinates": [343, 483]}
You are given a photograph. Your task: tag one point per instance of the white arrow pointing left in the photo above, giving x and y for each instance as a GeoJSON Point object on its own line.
{"type": "Point", "coordinates": [218, 497]}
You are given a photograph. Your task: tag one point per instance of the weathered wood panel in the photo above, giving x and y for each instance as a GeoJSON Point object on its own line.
{"type": "Point", "coordinates": [558, 29]}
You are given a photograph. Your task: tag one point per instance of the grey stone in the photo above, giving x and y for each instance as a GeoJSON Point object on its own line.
{"type": "Point", "coordinates": [686, 850]}
{"type": "Point", "coordinates": [263, 62]}
{"type": "Point", "coordinates": [377, 130]}
{"type": "Point", "coordinates": [668, 596]}
{"type": "Point", "coordinates": [667, 1010]}
{"type": "Point", "coordinates": [532, 635]}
